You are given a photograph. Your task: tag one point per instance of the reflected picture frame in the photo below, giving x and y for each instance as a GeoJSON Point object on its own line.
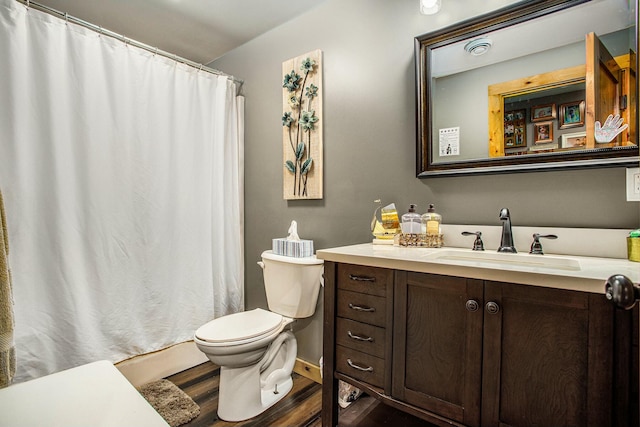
{"type": "Point", "coordinates": [515, 129]}
{"type": "Point", "coordinates": [573, 140]}
{"type": "Point", "coordinates": [543, 112]}
{"type": "Point", "coordinates": [571, 114]}
{"type": "Point", "coordinates": [543, 132]}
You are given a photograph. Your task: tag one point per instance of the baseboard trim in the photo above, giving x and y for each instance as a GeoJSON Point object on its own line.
{"type": "Point", "coordinates": [154, 366]}
{"type": "Point", "coordinates": [307, 370]}
{"type": "Point", "coordinates": [160, 364]}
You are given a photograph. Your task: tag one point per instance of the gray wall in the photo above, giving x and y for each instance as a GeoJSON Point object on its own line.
{"type": "Point", "coordinates": [369, 143]}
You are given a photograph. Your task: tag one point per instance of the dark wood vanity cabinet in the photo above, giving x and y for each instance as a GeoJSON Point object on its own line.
{"type": "Point", "coordinates": [500, 354]}
{"type": "Point", "coordinates": [437, 347]}
{"type": "Point", "coordinates": [363, 313]}
{"type": "Point", "coordinates": [479, 353]}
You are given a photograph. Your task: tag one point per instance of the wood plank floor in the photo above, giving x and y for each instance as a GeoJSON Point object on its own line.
{"type": "Point", "coordinates": [301, 407]}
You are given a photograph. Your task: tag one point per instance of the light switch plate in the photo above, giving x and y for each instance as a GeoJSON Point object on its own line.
{"type": "Point", "coordinates": [633, 184]}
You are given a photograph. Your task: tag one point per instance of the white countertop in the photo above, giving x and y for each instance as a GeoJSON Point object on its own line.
{"type": "Point", "coordinates": [95, 394]}
{"type": "Point", "coordinates": [580, 273]}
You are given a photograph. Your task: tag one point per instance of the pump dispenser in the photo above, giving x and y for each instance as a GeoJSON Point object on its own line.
{"type": "Point", "coordinates": [411, 221]}
{"type": "Point", "coordinates": [431, 222]}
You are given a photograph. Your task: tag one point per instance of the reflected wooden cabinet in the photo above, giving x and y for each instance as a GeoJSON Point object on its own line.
{"type": "Point", "coordinates": [469, 352]}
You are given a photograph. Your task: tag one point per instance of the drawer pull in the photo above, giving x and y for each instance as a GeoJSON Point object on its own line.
{"type": "Point", "coordinates": [360, 368]}
{"type": "Point", "coordinates": [361, 278]}
{"type": "Point", "coordinates": [360, 308]}
{"type": "Point", "coordinates": [358, 337]}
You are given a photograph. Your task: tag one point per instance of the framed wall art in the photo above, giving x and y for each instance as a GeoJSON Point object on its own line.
{"type": "Point", "coordinates": [515, 128]}
{"type": "Point", "coordinates": [572, 114]}
{"type": "Point", "coordinates": [302, 126]}
{"type": "Point", "coordinates": [543, 132]}
{"type": "Point", "coordinates": [574, 140]}
{"type": "Point", "coordinates": [543, 112]}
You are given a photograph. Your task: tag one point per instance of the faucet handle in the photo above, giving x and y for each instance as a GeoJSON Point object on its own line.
{"type": "Point", "coordinates": [477, 244]}
{"type": "Point", "coordinates": [536, 246]}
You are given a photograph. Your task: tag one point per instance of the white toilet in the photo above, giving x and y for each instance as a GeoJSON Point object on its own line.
{"type": "Point", "coordinates": [256, 349]}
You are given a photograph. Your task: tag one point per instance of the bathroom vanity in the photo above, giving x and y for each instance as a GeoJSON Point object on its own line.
{"type": "Point", "coordinates": [466, 338]}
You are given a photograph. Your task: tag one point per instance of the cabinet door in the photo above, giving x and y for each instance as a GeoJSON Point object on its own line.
{"type": "Point", "coordinates": [437, 344]}
{"type": "Point", "coordinates": [628, 110]}
{"type": "Point", "coordinates": [602, 86]}
{"type": "Point", "coordinates": [547, 357]}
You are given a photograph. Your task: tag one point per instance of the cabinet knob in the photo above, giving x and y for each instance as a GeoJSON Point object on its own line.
{"type": "Point", "coordinates": [472, 305]}
{"type": "Point", "coordinates": [492, 307]}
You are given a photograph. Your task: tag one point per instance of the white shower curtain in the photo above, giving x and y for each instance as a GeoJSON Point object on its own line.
{"type": "Point", "coordinates": [122, 176]}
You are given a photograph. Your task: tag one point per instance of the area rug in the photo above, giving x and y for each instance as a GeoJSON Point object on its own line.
{"type": "Point", "coordinates": [173, 404]}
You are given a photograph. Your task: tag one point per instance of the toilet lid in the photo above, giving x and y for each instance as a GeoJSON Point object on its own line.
{"type": "Point", "coordinates": [240, 326]}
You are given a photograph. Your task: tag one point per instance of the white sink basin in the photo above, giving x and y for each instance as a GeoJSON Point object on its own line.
{"type": "Point", "coordinates": [482, 258]}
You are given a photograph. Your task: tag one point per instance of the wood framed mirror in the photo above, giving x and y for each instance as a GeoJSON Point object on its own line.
{"type": "Point", "coordinates": [520, 89]}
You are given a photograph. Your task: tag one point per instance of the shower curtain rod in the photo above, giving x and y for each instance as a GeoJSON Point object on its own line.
{"type": "Point", "coordinates": [127, 40]}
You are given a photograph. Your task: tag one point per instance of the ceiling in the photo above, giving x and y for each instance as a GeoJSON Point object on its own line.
{"type": "Point", "coordinates": [198, 30]}
{"type": "Point", "coordinates": [538, 35]}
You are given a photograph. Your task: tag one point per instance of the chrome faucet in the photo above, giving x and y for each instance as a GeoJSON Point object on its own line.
{"type": "Point", "coordinates": [506, 242]}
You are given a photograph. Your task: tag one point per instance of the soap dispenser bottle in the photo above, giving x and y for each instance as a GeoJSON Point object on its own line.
{"type": "Point", "coordinates": [431, 222]}
{"type": "Point", "coordinates": [411, 221]}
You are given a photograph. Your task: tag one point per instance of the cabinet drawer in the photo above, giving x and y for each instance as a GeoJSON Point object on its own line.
{"type": "Point", "coordinates": [362, 307]}
{"type": "Point", "coordinates": [368, 280]}
{"type": "Point", "coordinates": [361, 366]}
{"type": "Point", "coordinates": [361, 336]}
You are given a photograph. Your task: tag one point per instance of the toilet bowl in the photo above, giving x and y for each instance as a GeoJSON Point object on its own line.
{"type": "Point", "coordinates": [255, 364]}
{"type": "Point", "coordinates": [256, 350]}
{"type": "Point", "coordinates": [240, 339]}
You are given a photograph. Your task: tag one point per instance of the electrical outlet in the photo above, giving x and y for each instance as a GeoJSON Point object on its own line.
{"type": "Point", "coordinates": [633, 184]}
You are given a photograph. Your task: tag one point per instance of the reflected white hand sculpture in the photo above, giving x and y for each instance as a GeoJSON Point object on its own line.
{"type": "Point", "coordinates": [611, 128]}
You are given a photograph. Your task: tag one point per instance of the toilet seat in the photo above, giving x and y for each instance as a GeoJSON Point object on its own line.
{"type": "Point", "coordinates": [240, 328]}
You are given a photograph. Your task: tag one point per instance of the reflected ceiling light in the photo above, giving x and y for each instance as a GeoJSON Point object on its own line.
{"type": "Point", "coordinates": [429, 7]}
{"type": "Point", "coordinates": [479, 46]}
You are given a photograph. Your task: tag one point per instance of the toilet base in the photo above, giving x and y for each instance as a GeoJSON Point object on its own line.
{"type": "Point", "coordinates": [245, 392]}
{"type": "Point", "coordinates": [273, 396]}
{"type": "Point", "coordinates": [249, 408]}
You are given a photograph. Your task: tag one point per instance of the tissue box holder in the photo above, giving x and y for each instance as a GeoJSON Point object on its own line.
{"type": "Point", "coordinates": [293, 248]}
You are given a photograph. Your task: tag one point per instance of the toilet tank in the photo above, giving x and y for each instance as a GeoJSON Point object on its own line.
{"type": "Point", "coordinates": [292, 284]}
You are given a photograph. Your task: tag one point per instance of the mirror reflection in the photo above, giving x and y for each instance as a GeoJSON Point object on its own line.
{"type": "Point", "coordinates": [523, 88]}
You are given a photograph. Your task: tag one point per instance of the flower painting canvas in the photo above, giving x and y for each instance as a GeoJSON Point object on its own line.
{"type": "Point", "coordinates": [302, 126]}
